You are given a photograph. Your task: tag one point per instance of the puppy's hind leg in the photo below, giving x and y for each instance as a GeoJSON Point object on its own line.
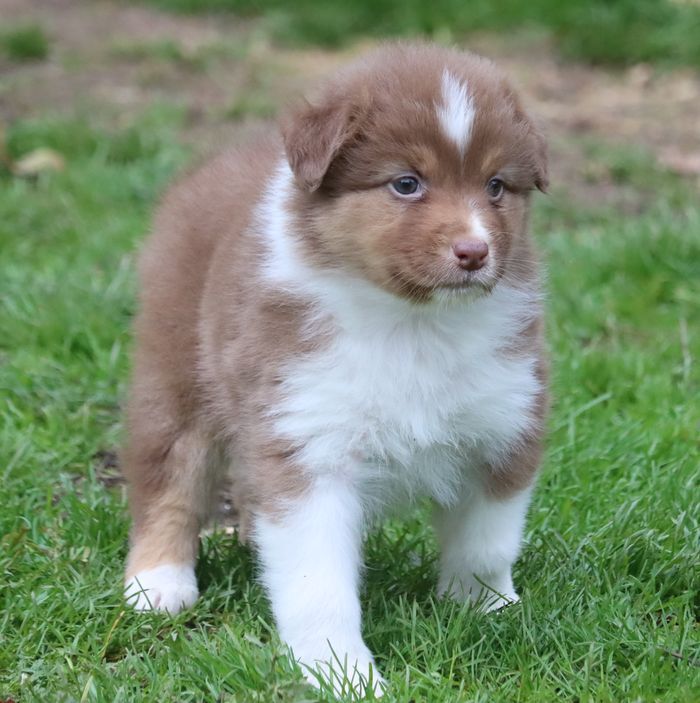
{"type": "Point", "coordinates": [170, 497]}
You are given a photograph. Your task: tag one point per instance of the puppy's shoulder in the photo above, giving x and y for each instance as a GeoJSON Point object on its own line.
{"type": "Point", "coordinates": [209, 202]}
{"type": "Point", "coordinates": [223, 187]}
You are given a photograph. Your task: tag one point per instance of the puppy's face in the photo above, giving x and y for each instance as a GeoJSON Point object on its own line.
{"type": "Point", "coordinates": [415, 173]}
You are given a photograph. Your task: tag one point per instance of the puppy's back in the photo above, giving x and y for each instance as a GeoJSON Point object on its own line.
{"type": "Point", "coordinates": [210, 207]}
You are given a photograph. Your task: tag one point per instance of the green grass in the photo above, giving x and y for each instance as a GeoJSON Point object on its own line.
{"type": "Point", "coordinates": [608, 576]}
{"type": "Point", "coordinates": [616, 32]}
{"type": "Point", "coordinates": [24, 43]}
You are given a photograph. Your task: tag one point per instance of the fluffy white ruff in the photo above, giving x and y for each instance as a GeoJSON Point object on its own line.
{"type": "Point", "coordinates": [168, 587]}
{"type": "Point", "coordinates": [412, 397]}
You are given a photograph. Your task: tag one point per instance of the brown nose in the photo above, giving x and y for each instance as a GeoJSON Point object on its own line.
{"type": "Point", "coordinates": [471, 253]}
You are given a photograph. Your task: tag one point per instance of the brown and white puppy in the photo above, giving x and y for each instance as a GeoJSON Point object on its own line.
{"type": "Point", "coordinates": [341, 321]}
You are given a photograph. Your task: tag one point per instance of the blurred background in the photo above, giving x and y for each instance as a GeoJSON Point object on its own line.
{"type": "Point", "coordinates": [618, 72]}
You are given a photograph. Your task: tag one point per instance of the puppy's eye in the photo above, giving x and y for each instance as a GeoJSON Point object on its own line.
{"type": "Point", "coordinates": [495, 188]}
{"type": "Point", "coordinates": [406, 186]}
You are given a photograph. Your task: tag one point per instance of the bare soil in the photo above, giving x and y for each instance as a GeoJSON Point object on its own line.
{"type": "Point", "coordinates": [114, 60]}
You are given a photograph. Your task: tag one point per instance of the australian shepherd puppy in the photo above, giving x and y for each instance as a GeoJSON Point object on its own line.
{"type": "Point", "coordinates": [339, 320]}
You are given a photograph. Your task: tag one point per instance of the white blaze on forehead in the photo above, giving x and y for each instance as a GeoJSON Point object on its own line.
{"type": "Point", "coordinates": [456, 113]}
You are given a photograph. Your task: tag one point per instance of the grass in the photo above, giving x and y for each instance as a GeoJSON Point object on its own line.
{"type": "Point", "coordinates": [24, 43]}
{"type": "Point", "coordinates": [608, 575]}
{"type": "Point", "coordinates": [617, 32]}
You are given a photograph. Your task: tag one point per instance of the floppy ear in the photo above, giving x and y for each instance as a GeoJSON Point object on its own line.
{"type": "Point", "coordinates": [313, 136]}
{"type": "Point", "coordinates": [539, 142]}
{"type": "Point", "coordinates": [541, 161]}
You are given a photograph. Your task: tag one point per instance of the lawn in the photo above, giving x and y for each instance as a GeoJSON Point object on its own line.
{"type": "Point", "coordinates": [609, 575]}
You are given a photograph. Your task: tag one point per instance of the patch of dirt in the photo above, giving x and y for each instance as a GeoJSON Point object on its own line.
{"type": "Point", "coordinates": [114, 60]}
{"type": "Point", "coordinates": [89, 67]}
{"type": "Point", "coordinates": [107, 468]}
{"type": "Point", "coordinates": [109, 475]}
{"type": "Point", "coordinates": [641, 106]}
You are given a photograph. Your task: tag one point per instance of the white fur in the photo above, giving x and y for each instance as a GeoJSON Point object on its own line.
{"type": "Point", "coordinates": [456, 114]}
{"type": "Point", "coordinates": [480, 539]}
{"type": "Point", "coordinates": [169, 587]}
{"type": "Point", "coordinates": [478, 231]}
{"type": "Point", "coordinates": [311, 564]}
{"type": "Point", "coordinates": [415, 395]}
{"type": "Point", "coordinates": [406, 400]}
{"type": "Point", "coordinates": [285, 264]}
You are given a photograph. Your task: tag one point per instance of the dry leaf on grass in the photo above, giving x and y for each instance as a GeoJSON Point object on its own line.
{"type": "Point", "coordinates": [37, 162]}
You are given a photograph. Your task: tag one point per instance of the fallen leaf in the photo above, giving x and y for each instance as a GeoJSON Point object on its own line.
{"type": "Point", "coordinates": [37, 162]}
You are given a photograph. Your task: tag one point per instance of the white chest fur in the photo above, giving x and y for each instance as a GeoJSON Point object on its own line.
{"type": "Point", "coordinates": [410, 395]}
{"type": "Point", "coordinates": [415, 397]}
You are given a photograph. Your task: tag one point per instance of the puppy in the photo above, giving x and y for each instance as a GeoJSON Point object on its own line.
{"type": "Point", "coordinates": [341, 321]}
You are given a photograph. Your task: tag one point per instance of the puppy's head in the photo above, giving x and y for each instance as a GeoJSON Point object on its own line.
{"type": "Point", "coordinates": [413, 170]}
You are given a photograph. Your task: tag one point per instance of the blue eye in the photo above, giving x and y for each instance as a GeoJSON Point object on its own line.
{"type": "Point", "coordinates": [495, 188]}
{"type": "Point", "coordinates": [406, 185]}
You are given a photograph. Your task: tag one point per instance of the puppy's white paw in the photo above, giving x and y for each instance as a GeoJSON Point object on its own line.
{"type": "Point", "coordinates": [169, 587]}
{"type": "Point", "coordinates": [487, 597]}
{"type": "Point", "coordinates": [354, 674]}
{"type": "Point", "coordinates": [489, 601]}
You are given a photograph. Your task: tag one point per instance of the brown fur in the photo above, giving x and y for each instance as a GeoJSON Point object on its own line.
{"type": "Point", "coordinates": [211, 340]}
{"type": "Point", "coordinates": [379, 131]}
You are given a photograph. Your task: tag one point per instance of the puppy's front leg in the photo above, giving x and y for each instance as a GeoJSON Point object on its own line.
{"type": "Point", "coordinates": [311, 557]}
{"type": "Point", "coordinates": [480, 539]}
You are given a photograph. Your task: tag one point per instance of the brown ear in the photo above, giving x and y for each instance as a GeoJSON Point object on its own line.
{"type": "Point", "coordinates": [539, 141]}
{"type": "Point", "coordinates": [541, 161]}
{"type": "Point", "coordinates": [313, 136]}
